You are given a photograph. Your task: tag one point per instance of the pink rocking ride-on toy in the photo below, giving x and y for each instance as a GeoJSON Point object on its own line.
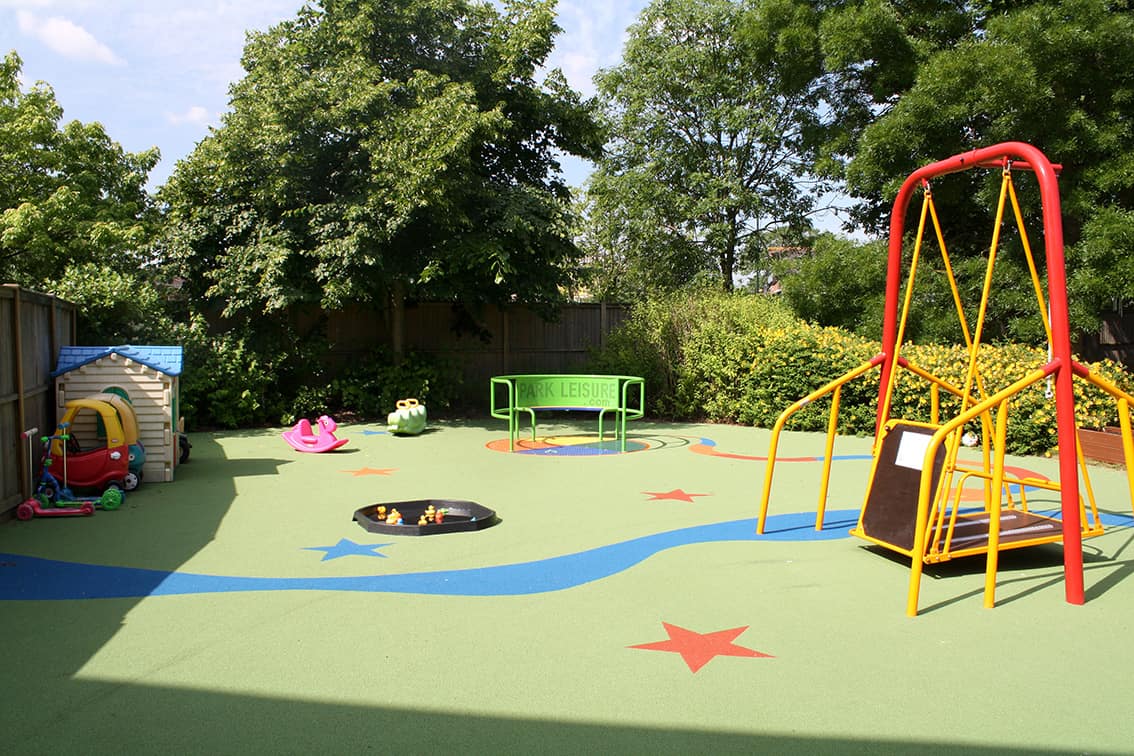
{"type": "Point", "coordinates": [303, 438]}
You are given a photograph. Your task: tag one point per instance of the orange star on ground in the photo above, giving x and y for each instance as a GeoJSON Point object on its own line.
{"type": "Point", "coordinates": [675, 495]}
{"type": "Point", "coordinates": [698, 649]}
{"type": "Point", "coordinates": [371, 471]}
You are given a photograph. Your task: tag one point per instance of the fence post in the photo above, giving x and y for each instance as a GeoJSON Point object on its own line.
{"type": "Point", "coordinates": [27, 404]}
{"type": "Point", "coordinates": [604, 324]}
{"type": "Point", "coordinates": [21, 410]}
{"type": "Point", "coordinates": [506, 338]}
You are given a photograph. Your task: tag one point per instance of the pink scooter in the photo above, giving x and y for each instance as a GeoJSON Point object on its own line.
{"type": "Point", "coordinates": [47, 501]}
{"type": "Point", "coordinates": [303, 438]}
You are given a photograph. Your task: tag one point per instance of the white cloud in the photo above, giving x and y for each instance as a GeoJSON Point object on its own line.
{"type": "Point", "coordinates": [185, 54]}
{"type": "Point", "coordinates": [196, 115]}
{"type": "Point", "coordinates": [66, 38]}
{"type": "Point", "coordinates": [592, 39]}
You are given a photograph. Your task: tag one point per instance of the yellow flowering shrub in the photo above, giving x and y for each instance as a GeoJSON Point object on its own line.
{"type": "Point", "coordinates": [740, 359]}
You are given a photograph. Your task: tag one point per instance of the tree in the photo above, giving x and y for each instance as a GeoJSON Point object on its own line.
{"type": "Point", "coordinates": [384, 149]}
{"type": "Point", "coordinates": [623, 237]}
{"type": "Point", "coordinates": [1056, 74]}
{"type": "Point", "coordinates": [119, 307]}
{"type": "Point", "coordinates": [69, 195]}
{"type": "Point", "coordinates": [838, 283]}
{"type": "Point", "coordinates": [716, 117]}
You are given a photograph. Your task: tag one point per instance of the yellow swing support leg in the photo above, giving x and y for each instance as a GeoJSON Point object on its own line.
{"type": "Point", "coordinates": [993, 560]}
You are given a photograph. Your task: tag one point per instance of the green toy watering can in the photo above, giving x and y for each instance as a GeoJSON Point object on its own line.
{"type": "Point", "coordinates": [408, 419]}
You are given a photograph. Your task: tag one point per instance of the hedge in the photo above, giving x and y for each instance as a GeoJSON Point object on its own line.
{"type": "Point", "coordinates": [745, 359]}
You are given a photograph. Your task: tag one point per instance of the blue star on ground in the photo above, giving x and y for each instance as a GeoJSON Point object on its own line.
{"type": "Point", "coordinates": [346, 547]}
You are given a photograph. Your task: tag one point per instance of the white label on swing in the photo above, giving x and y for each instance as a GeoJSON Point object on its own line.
{"type": "Point", "coordinates": [911, 450]}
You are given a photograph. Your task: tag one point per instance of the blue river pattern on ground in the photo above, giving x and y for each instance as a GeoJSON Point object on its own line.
{"type": "Point", "coordinates": [28, 578]}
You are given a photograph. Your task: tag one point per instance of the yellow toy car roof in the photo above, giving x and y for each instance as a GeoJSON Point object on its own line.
{"type": "Point", "coordinates": [115, 436]}
{"type": "Point", "coordinates": [126, 414]}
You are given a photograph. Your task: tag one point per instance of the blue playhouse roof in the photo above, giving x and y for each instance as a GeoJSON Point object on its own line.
{"type": "Point", "coordinates": [167, 359]}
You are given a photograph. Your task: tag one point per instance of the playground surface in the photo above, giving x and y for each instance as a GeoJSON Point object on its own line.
{"type": "Point", "coordinates": [621, 604]}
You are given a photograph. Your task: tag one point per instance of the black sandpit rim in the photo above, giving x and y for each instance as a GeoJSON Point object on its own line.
{"type": "Point", "coordinates": [460, 516]}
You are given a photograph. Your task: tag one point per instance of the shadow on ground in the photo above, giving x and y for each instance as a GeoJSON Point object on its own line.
{"type": "Point", "coordinates": [58, 710]}
{"type": "Point", "coordinates": [162, 720]}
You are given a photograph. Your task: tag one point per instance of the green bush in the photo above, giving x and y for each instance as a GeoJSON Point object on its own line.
{"type": "Point", "coordinates": [797, 360]}
{"type": "Point", "coordinates": [373, 387]}
{"type": "Point", "coordinates": [663, 338]}
{"type": "Point", "coordinates": [742, 359]}
{"type": "Point", "coordinates": [1032, 425]}
{"type": "Point", "coordinates": [230, 384]}
{"type": "Point", "coordinates": [226, 382]}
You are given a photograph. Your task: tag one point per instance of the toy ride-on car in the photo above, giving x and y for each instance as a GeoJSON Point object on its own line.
{"type": "Point", "coordinates": [129, 420]}
{"type": "Point", "coordinates": [96, 455]}
{"type": "Point", "coordinates": [52, 498]}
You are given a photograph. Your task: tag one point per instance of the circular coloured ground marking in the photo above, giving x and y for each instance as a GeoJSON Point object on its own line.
{"type": "Point", "coordinates": [583, 445]}
{"type": "Point", "coordinates": [708, 447]}
{"type": "Point", "coordinates": [571, 446]}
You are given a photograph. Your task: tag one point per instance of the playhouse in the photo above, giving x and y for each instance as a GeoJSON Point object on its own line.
{"type": "Point", "coordinates": [147, 376]}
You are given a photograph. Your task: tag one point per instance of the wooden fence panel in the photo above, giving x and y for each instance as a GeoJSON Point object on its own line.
{"type": "Point", "coordinates": [490, 341]}
{"type": "Point", "coordinates": [1114, 340]}
{"type": "Point", "coordinates": [32, 329]}
{"type": "Point", "coordinates": [518, 340]}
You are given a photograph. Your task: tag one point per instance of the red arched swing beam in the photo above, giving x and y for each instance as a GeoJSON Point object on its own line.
{"type": "Point", "coordinates": [1021, 156]}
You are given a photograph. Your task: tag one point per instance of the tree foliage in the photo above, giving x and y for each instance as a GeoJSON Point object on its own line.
{"type": "Point", "coordinates": [69, 195]}
{"type": "Point", "coordinates": [944, 78]}
{"type": "Point", "coordinates": [118, 307]}
{"type": "Point", "coordinates": [385, 148]}
{"type": "Point", "coordinates": [716, 122]}
{"type": "Point", "coordinates": [838, 283]}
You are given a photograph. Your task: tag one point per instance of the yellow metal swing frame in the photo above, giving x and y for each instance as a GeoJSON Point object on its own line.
{"type": "Point", "coordinates": [914, 500]}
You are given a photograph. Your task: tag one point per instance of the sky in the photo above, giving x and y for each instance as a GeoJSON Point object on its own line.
{"type": "Point", "coordinates": [156, 73]}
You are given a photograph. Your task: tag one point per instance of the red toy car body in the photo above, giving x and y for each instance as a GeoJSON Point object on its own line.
{"type": "Point", "coordinates": [97, 455]}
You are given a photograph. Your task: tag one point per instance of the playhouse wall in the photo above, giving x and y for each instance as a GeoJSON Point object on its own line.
{"type": "Point", "coordinates": [84, 426]}
{"type": "Point", "coordinates": [153, 395]}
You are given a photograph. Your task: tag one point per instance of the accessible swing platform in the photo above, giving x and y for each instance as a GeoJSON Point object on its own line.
{"type": "Point", "coordinates": [623, 396]}
{"type": "Point", "coordinates": [890, 515]}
